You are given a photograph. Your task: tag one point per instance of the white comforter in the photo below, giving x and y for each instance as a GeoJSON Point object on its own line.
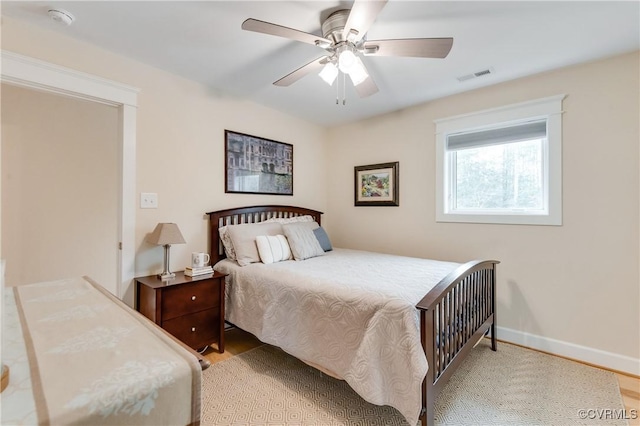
{"type": "Point", "coordinates": [350, 312]}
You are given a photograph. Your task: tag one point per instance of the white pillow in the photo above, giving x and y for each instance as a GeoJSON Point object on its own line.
{"type": "Point", "coordinates": [273, 248]}
{"type": "Point", "coordinates": [302, 240]}
{"type": "Point", "coordinates": [243, 238]}
{"type": "Point", "coordinates": [294, 219]}
{"type": "Point", "coordinates": [230, 251]}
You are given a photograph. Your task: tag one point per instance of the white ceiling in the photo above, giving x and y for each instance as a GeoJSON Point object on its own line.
{"type": "Point", "coordinates": [203, 41]}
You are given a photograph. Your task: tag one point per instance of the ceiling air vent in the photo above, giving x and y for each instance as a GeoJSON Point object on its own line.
{"type": "Point", "coordinates": [476, 74]}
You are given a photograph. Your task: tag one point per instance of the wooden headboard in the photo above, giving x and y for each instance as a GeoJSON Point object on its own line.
{"type": "Point", "coordinates": [251, 214]}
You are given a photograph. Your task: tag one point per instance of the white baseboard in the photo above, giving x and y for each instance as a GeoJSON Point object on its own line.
{"type": "Point", "coordinates": [609, 360]}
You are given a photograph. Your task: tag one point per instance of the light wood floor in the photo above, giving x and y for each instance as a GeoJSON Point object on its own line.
{"type": "Point", "coordinates": [238, 341]}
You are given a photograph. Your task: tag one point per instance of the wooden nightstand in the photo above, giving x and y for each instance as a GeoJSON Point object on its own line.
{"type": "Point", "coordinates": [191, 309]}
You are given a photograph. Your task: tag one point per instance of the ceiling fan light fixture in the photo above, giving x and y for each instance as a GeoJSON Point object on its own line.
{"type": "Point", "coordinates": [329, 73]}
{"type": "Point", "coordinates": [358, 72]}
{"type": "Point", "coordinates": [346, 59]}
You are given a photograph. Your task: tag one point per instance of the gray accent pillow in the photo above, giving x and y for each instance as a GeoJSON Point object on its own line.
{"type": "Point", "coordinates": [302, 240]}
{"type": "Point", "coordinates": [307, 224]}
{"type": "Point", "coordinates": [323, 238]}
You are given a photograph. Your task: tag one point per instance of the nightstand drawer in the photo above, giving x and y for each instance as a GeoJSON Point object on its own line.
{"type": "Point", "coordinates": [196, 330]}
{"type": "Point", "coordinates": [188, 298]}
{"type": "Point", "coordinates": [189, 308]}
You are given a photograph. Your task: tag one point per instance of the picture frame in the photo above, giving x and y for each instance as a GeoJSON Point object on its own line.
{"type": "Point", "coordinates": [377, 184]}
{"type": "Point", "coordinates": [256, 165]}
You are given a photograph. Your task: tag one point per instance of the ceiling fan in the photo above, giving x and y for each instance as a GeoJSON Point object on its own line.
{"type": "Point", "coordinates": [343, 39]}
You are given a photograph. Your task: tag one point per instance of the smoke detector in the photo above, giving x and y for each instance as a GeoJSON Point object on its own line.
{"type": "Point", "coordinates": [61, 16]}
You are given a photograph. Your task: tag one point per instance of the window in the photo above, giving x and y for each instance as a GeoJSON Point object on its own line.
{"type": "Point", "coordinates": [501, 165]}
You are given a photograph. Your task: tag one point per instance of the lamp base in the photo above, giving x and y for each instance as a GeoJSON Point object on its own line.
{"type": "Point", "coordinates": [167, 276]}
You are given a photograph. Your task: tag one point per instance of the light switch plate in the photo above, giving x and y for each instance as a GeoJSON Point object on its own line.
{"type": "Point", "coordinates": [148, 200]}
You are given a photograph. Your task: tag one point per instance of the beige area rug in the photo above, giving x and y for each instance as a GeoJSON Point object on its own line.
{"type": "Point", "coordinates": [513, 386]}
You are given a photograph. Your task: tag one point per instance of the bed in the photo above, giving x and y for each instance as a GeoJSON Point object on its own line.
{"type": "Point", "coordinates": [78, 355]}
{"type": "Point", "coordinates": [395, 328]}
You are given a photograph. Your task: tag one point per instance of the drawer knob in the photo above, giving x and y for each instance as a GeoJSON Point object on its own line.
{"type": "Point", "coordinates": [193, 298]}
{"type": "Point", "coordinates": [193, 329]}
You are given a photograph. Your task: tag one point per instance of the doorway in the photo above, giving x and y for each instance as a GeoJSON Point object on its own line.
{"type": "Point", "coordinates": [59, 187]}
{"type": "Point", "coordinates": [23, 71]}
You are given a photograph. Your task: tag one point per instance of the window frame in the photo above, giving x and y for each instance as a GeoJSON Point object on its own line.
{"type": "Point", "coordinates": [549, 109]}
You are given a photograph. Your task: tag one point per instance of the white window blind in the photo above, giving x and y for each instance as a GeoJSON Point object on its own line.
{"type": "Point", "coordinates": [500, 135]}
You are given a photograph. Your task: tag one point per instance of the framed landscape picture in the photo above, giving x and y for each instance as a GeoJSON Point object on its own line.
{"type": "Point", "coordinates": [377, 185]}
{"type": "Point", "coordinates": [255, 165]}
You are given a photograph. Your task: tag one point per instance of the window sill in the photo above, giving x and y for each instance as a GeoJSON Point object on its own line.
{"type": "Point", "coordinates": [501, 219]}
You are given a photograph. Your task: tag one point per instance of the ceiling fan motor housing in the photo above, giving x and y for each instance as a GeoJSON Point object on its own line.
{"type": "Point", "coordinates": [333, 26]}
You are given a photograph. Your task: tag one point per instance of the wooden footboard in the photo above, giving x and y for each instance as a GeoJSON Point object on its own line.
{"type": "Point", "coordinates": [454, 315]}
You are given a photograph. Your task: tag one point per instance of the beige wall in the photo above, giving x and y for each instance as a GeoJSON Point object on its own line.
{"type": "Point", "coordinates": [59, 187]}
{"type": "Point", "coordinates": [577, 283]}
{"type": "Point", "coordinates": [180, 141]}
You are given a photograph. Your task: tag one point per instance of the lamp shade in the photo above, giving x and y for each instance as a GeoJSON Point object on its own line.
{"type": "Point", "coordinates": [329, 73]}
{"type": "Point", "coordinates": [166, 233]}
{"type": "Point", "coordinates": [358, 72]}
{"type": "Point", "coordinates": [346, 59]}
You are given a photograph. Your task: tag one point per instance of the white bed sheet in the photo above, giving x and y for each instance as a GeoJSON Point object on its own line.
{"type": "Point", "coordinates": [350, 312]}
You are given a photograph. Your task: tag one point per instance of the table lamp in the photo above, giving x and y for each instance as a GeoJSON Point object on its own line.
{"type": "Point", "coordinates": [166, 234]}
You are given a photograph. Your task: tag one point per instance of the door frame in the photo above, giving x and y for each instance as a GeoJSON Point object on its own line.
{"type": "Point", "coordinates": [24, 71]}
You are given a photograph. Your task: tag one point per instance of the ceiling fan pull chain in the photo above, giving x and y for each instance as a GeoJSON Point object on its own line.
{"type": "Point", "coordinates": [344, 89]}
{"type": "Point", "coordinates": [338, 89]}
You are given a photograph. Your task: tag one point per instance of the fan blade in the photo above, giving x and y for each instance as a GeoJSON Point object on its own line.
{"type": "Point", "coordinates": [366, 88]}
{"type": "Point", "coordinates": [296, 75]}
{"type": "Point", "coordinates": [280, 31]}
{"type": "Point", "coordinates": [413, 47]}
{"type": "Point", "coordinates": [362, 15]}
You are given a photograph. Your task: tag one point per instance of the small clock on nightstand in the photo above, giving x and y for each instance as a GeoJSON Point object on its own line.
{"type": "Point", "coordinates": [190, 308]}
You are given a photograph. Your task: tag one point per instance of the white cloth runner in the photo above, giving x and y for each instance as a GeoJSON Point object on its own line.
{"type": "Point", "coordinates": [78, 355]}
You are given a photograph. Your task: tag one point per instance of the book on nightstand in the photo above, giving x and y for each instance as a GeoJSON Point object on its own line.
{"type": "Point", "coordinates": [194, 272]}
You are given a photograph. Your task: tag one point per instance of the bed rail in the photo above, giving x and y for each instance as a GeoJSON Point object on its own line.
{"type": "Point", "coordinates": [254, 214]}
{"type": "Point", "coordinates": [454, 315]}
